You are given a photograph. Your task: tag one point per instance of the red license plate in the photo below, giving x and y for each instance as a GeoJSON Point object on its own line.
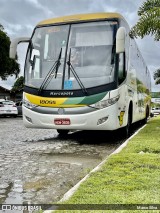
{"type": "Point", "coordinates": [62, 121]}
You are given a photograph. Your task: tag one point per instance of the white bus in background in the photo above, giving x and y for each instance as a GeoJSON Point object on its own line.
{"type": "Point", "coordinates": [84, 72]}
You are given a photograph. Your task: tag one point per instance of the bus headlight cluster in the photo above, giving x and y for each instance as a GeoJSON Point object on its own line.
{"type": "Point", "coordinates": [106, 103]}
{"type": "Point", "coordinates": [28, 104]}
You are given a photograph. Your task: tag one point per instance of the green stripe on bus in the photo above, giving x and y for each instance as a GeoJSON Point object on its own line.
{"type": "Point", "coordinates": [86, 100]}
{"type": "Point", "coordinates": [93, 98]}
{"type": "Point", "coordinates": [71, 101]}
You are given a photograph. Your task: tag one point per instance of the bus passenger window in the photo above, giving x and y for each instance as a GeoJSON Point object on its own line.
{"type": "Point", "coordinates": [121, 69]}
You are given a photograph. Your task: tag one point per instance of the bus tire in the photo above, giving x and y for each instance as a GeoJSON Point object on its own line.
{"type": "Point", "coordinates": [147, 115]}
{"type": "Point", "coordinates": [62, 132]}
{"type": "Point", "coordinates": [127, 128]}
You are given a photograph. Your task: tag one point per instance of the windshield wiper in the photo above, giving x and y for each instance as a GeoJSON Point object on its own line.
{"type": "Point", "coordinates": [71, 68]}
{"type": "Point", "coordinates": [50, 75]}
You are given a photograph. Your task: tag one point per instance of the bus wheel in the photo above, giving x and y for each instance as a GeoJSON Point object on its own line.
{"type": "Point", "coordinates": [62, 132]}
{"type": "Point", "coordinates": [147, 115]}
{"type": "Point", "coordinates": [127, 128]}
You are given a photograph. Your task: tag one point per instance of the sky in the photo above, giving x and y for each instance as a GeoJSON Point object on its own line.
{"type": "Point", "coordinates": [19, 17]}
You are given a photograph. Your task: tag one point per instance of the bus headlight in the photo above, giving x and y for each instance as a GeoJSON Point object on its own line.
{"type": "Point", "coordinates": [29, 104]}
{"type": "Point", "coordinates": [106, 103]}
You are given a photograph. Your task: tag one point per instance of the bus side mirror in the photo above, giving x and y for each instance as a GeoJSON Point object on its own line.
{"type": "Point", "coordinates": [13, 46]}
{"type": "Point", "coordinates": [120, 40]}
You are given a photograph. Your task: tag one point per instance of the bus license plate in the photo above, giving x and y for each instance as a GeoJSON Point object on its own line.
{"type": "Point", "coordinates": [62, 121]}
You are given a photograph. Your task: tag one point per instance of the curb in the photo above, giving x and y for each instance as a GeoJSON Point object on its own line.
{"type": "Point", "coordinates": [71, 191]}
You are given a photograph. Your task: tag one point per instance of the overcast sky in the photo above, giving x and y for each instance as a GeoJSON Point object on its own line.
{"type": "Point", "coordinates": [19, 18]}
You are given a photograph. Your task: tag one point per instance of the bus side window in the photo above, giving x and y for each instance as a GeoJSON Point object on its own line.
{"type": "Point", "coordinates": [121, 69]}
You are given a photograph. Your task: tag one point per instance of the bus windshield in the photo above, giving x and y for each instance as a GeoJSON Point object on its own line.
{"type": "Point", "coordinates": [88, 47]}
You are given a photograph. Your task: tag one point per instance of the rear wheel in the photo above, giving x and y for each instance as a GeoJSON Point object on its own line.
{"type": "Point", "coordinates": [147, 115]}
{"type": "Point", "coordinates": [152, 115]}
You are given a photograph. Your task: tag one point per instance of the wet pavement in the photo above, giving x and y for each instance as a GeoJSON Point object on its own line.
{"type": "Point", "coordinates": [37, 166]}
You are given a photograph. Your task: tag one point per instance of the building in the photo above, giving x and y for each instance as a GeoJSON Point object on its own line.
{"type": "Point", "coordinates": [155, 97]}
{"type": "Point", "coordinates": [17, 95]}
{"type": "Point", "coordinates": [9, 95]}
{"type": "Point", "coordinates": [5, 93]}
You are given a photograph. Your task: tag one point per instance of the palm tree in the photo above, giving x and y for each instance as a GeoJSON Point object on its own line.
{"type": "Point", "coordinates": [156, 76]}
{"type": "Point", "coordinates": [149, 21]}
{"type": "Point", "coordinates": [148, 24]}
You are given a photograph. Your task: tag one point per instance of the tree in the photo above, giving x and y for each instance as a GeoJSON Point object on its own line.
{"type": "Point", "coordinates": [148, 24]}
{"type": "Point", "coordinates": [156, 76]}
{"type": "Point", "coordinates": [18, 85]}
{"type": "Point", "coordinates": [149, 21]}
{"type": "Point", "coordinates": [7, 66]}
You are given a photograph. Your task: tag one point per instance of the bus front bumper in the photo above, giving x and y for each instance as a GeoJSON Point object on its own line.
{"type": "Point", "coordinates": [103, 119]}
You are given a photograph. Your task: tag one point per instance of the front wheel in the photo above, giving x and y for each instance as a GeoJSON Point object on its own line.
{"type": "Point", "coordinates": [62, 132]}
{"type": "Point", "coordinates": [127, 128]}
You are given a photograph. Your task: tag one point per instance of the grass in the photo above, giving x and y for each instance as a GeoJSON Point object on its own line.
{"type": "Point", "coordinates": [129, 177]}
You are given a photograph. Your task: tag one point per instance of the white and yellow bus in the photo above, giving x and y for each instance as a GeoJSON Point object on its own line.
{"type": "Point", "coordinates": [84, 72]}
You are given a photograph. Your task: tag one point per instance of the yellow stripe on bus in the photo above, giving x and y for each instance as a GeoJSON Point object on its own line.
{"type": "Point", "coordinates": [49, 102]}
{"type": "Point", "coordinates": [45, 101]}
{"type": "Point", "coordinates": [80, 17]}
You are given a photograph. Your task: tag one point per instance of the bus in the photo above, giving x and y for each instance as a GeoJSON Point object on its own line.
{"type": "Point", "coordinates": [84, 72]}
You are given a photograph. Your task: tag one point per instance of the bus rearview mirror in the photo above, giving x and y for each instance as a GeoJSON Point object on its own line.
{"type": "Point", "coordinates": [13, 45]}
{"type": "Point", "coordinates": [120, 40]}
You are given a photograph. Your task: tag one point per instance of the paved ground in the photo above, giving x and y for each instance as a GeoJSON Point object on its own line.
{"type": "Point", "coordinates": [37, 166]}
